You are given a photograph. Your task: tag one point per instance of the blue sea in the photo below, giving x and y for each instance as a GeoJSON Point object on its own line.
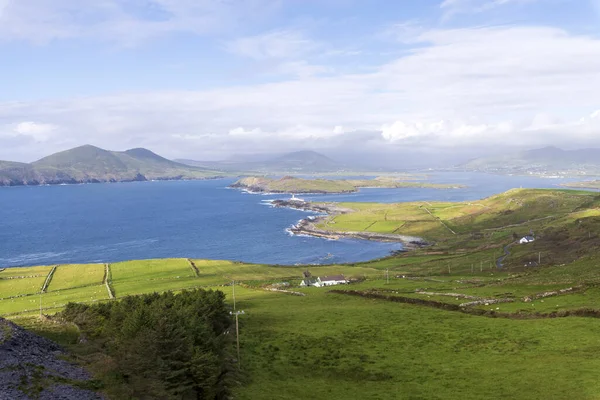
{"type": "Point", "coordinates": [197, 219]}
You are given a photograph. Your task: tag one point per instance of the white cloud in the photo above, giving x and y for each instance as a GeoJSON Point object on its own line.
{"type": "Point", "coordinates": [36, 131]}
{"type": "Point", "coordinates": [446, 133]}
{"type": "Point", "coordinates": [468, 6]}
{"type": "Point", "coordinates": [280, 53]}
{"type": "Point", "coordinates": [123, 21]}
{"type": "Point", "coordinates": [245, 132]}
{"type": "Point", "coordinates": [282, 44]}
{"type": "Point", "coordinates": [526, 85]}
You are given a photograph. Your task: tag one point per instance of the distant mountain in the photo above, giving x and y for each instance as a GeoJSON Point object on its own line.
{"type": "Point", "coordinates": [90, 164]}
{"type": "Point", "coordinates": [545, 161]}
{"type": "Point", "coordinates": [296, 162]}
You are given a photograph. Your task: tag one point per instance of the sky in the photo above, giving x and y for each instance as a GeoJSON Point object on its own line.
{"type": "Point", "coordinates": [214, 79]}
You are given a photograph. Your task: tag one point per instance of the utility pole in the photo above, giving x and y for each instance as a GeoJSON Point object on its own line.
{"type": "Point", "coordinates": [40, 304]}
{"type": "Point", "coordinates": [387, 276]}
{"type": "Point", "coordinates": [540, 258]}
{"type": "Point", "coordinates": [449, 272]}
{"type": "Point", "coordinates": [237, 334]}
{"type": "Point", "coordinates": [233, 288]}
{"type": "Point", "coordinates": [481, 266]}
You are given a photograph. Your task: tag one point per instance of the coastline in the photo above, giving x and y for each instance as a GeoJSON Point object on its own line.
{"type": "Point", "coordinates": [308, 226]}
{"type": "Point", "coordinates": [73, 182]}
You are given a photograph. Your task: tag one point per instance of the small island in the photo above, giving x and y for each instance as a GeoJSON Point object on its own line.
{"type": "Point", "coordinates": [293, 185]}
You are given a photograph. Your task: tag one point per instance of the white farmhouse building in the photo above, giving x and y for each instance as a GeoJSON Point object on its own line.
{"type": "Point", "coordinates": [527, 239]}
{"type": "Point", "coordinates": [324, 281]}
{"type": "Point", "coordinates": [331, 280]}
{"type": "Point", "coordinates": [309, 282]}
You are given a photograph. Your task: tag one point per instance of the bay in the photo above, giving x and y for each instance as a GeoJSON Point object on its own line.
{"type": "Point", "coordinates": [46, 225]}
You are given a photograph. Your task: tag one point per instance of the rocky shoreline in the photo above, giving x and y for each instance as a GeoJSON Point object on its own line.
{"type": "Point", "coordinates": [308, 226]}
{"type": "Point", "coordinates": [87, 181]}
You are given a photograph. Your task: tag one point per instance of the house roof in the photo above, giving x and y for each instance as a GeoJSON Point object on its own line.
{"type": "Point", "coordinates": [333, 278]}
{"type": "Point", "coordinates": [308, 281]}
{"type": "Point", "coordinates": [529, 237]}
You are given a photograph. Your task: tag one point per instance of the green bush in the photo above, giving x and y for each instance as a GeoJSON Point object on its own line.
{"type": "Point", "coordinates": [163, 345]}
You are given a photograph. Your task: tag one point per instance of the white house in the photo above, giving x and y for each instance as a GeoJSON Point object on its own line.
{"type": "Point", "coordinates": [308, 281]}
{"type": "Point", "coordinates": [324, 281]}
{"type": "Point", "coordinates": [331, 280]}
{"type": "Point", "coordinates": [527, 239]}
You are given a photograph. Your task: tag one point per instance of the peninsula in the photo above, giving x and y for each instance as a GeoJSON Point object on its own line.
{"type": "Point", "coordinates": [319, 226]}
{"type": "Point", "coordinates": [289, 184]}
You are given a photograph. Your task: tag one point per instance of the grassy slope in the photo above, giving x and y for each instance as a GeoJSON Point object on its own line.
{"type": "Point", "coordinates": [363, 349]}
{"type": "Point", "coordinates": [327, 345]}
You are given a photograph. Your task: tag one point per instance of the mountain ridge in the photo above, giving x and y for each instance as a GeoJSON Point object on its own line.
{"type": "Point", "coordinates": [545, 161]}
{"type": "Point", "coordinates": [302, 161]}
{"type": "Point", "coordinates": [91, 164]}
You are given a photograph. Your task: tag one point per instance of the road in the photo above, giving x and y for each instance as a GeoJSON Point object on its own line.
{"type": "Point", "coordinates": [499, 261]}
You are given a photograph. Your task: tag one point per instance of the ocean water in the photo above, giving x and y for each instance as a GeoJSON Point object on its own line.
{"type": "Point", "coordinates": [197, 219]}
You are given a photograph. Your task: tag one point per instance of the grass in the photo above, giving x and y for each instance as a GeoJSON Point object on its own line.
{"type": "Point", "coordinates": [324, 345]}
{"type": "Point", "coordinates": [22, 281]}
{"type": "Point", "coordinates": [20, 287]}
{"type": "Point", "coordinates": [365, 349]}
{"type": "Point", "coordinates": [135, 277]}
{"type": "Point", "coordinates": [78, 275]}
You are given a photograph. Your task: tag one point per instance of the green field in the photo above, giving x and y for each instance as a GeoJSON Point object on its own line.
{"type": "Point", "coordinates": [79, 275]}
{"type": "Point", "coordinates": [22, 281]}
{"type": "Point", "coordinates": [326, 345]}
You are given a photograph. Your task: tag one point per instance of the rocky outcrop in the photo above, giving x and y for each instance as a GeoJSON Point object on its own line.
{"type": "Point", "coordinates": [31, 367]}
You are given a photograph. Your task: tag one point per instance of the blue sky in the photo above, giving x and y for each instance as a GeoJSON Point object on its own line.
{"type": "Point", "coordinates": [205, 79]}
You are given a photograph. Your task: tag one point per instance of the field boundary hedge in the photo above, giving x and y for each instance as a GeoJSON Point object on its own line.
{"type": "Point", "coordinates": [581, 312]}
{"type": "Point", "coordinates": [48, 279]}
{"type": "Point", "coordinates": [108, 281]}
{"type": "Point", "coordinates": [194, 267]}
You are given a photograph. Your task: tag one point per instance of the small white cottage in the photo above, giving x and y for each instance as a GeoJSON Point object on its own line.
{"type": "Point", "coordinates": [309, 281]}
{"type": "Point", "coordinates": [527, 239]}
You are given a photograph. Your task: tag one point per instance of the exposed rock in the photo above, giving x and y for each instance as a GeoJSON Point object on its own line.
{"type": "Point", "coordinates": [486, 302]}
{"type": "Point", "coordinates": [529, 299]}
{"type": "Point", "coordinates": [31, 368]}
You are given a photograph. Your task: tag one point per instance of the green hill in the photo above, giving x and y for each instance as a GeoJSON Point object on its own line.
{"type": "Point", "coordinates": [90, 164]}
{"type": "Point", "coordinates": [304, 162]}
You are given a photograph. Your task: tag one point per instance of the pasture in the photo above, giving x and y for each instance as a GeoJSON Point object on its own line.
{"type": "Point", "coordinates": [326, 345]}
{"type": "Point", "coordinates": [77, 275]}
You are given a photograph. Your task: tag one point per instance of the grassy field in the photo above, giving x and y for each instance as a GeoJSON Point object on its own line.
{"type": "Point", "coordinates": [79, 275]}
{"type": "Point", "coordinates": [326, 345]}
{"type": "Point", "coordinates": [365, 349]}
{"type": "Point", "coordinates": [22, 281]}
